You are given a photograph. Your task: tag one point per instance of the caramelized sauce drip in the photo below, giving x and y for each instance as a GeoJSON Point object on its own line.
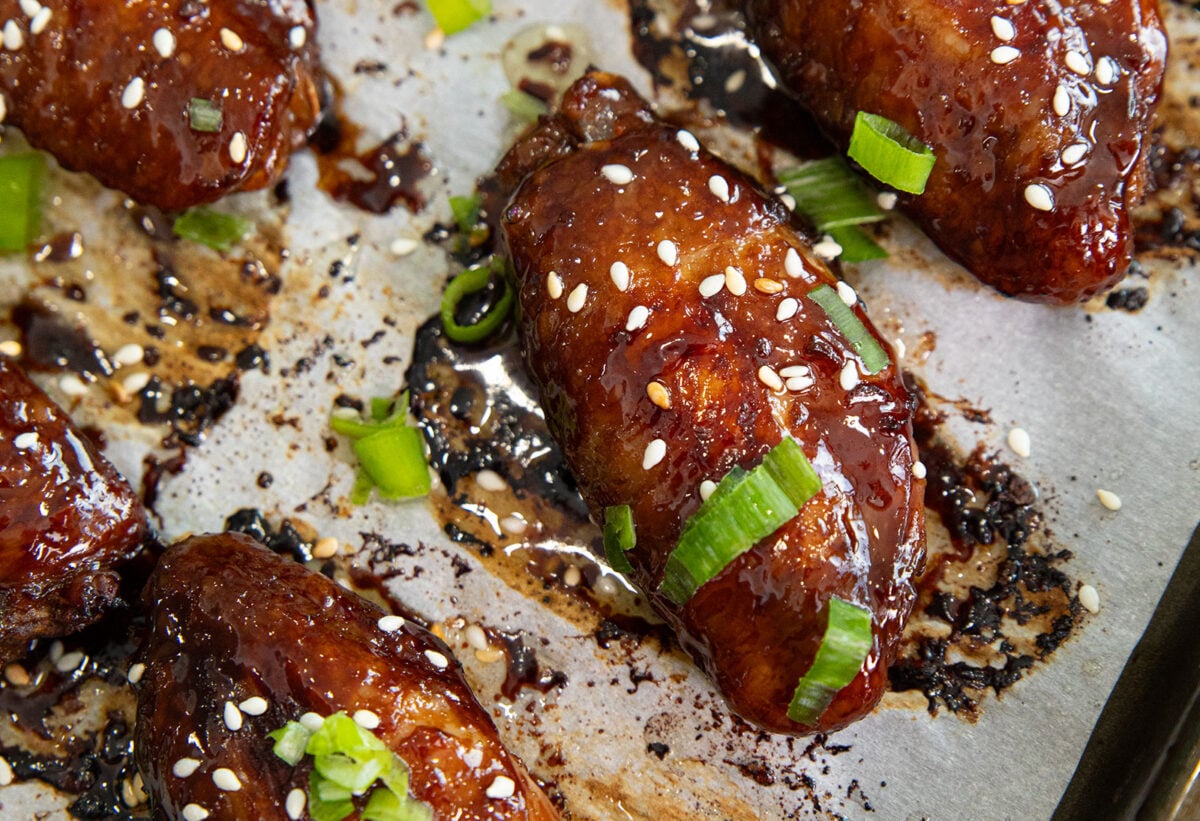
{"type": "Point", "coordinates": [374, 179]}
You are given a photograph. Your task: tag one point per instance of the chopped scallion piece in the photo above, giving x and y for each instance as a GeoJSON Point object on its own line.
{"type": "Point", "coordinates": [469, 281]}
{"type": "Point", "coordinates": [453, 16]}
{"type": "Point", "coordinates": [354, 428]}
{"type": "Point", "coordinates": [619, 536]}
{"type": "Point", "coordinates": [465, 211]}
{"type": "Point", "coordinates": [856, 245]}
{"type": "Point", "coordinates": [394, 458]}
{"type": "Point", "coordinates": [290, 741]}
{"type": "Point", "coordinates": [381, 407]}
{"type": "Point", "coordinates": [844, 648]}
{"type": "Point", "coordinates": [204, 115]}
{"type": "Point", "coordinates": [890, 154]}
{"type": "Point", "coordinates": [830, 194]}
{"type": "Point", "coordinates": [321, 809]}
{"type": "Point", "coordinates": [20, 199]}
{"type": "Point", "coordinates": [217, 230]}
{"type": "Point", "coordinates": [387, 806]}
{"type": "Point", "coordinates": [523, 106]}
{"type": "Point", "coordinates": [752, 505]}
{"type": "Point", "coordinates": [874, 357]}
{"type": "Point", "coordinates": [360, 494]}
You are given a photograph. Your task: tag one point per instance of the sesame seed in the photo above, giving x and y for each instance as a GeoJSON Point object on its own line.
{"type": "Point", "coordinates": [164, 42]}
{"type": "Point", "coordinates": [254, 706]}
{"type": "Point", "coordinates": [136, 671]}
{"type": "Point", "coordinates": [765, 285]}
{"type": "Point", "coordinates": [437, 659]}
{"type": "Point", "coordinates": [719, 186]}
{"type": "Point", "coordinates": [513, 525]}
{"type": "Point", "coordinates": [366, 719]}
{"type": "Point", "coordinates": [312, 721]}
{"type": "Point", "coordinates": [619, 272]}
{"type": "Point", "coordinates": [56, 651]}
{"type": "Point", "coordinates": [231, 40]}
{"type": "Point", "coordinates": [827, 248]}
{"type": "Point", "coordinates": [185, 767]}
{"type": "Point", "coordinates": [3, 114]}
{"type": "Point", "coordinates": [1073, 153]}
{"type": "Point", "coordinates": [6, 773]}
{"type": "Point", "coordinates": [768, 377]}
{"type": "Point", "coordinates": [712, 285]}
{"type": "Point", "coordinates": [787, 309]}
{"type": "Point", "coordinates": [617, 174]}
{"type": "Point", "coordinates": [659, 395]}
{"type": "Point", "coordinates": [554, 285]}
{"type": "Point", "coordinates": [847, 294]}
{"type": "Point", "coordinates": [194, 812]}
{"type": "Point", "coordinates": [577, 297]}
{"type": "Point", "coordinates": [734, 281]}
{"type": "Point", "coordinates": [473, 758]}
{"type": "Point", "coordinates": [1018, 440]}
{"type": "Point", "coordinates": [1039, 196]}
{"type": "Point", "coordinates": [795, 370]}
{"type": "Point", "coordinates": [918, 470]}
{"type": "Point", "coordinates": [40, 20]}
{"type": "Point", "coordinates": [668, 252]}
{"type": "Point", "coordinates": [133, 791]}
{"type": "Point", "coordinates": [293, 805]}
{"type": "Point", "coordinates": [135, 382]}
{"type": "Point", "coordinates": [886, 200]}
{"type": "Point", "coordinates": [502, 787]}
{"type": "Point", "coordinates": [403, 246]}
{"type": "Point", "coordinates": [848, 377]}
{"type": "Point", "coordinates": [656, 451]}
{"type": "Point", "coordinates": [30, 7]}
{"type": "Point", "coordinates": [226, 780]}
{"type": "Point", "coordinates": [792, 263]}
{"type": "Point", "coordinates": [69, 661]}
{"type": "Point", "coordinates": [13, 38]}
{"type": "Point", "coordinates": [233, 716]}
{"type": "Point", "coordinates": [1089, 597]}
{"type": "Point", "coordinates": [16, 675]}
{"type": "Point", "coordinates": [1003, 55]}
{"type": "Point", "coordinates": [297, 37]}
{"type": "Point", "coordinates": [789, 202]}
{"type": "Point", "coordinates": [1109, 499]}
{"type": "Point", "coordinates": [1062, 101]}
{"type": "Point", "coordinates": [707, 488]}
{"type": "Point", "coordinates": [735, 81]}
{"type": "Point", "coordinates": [238, 147]}
{"type": "Point", "coordinates": [572, 576]}
{"type": "Point", "coordinates": [435, 39]}
{"type": "Point", "coordinates": [390, 624]}
{"type": "Point", "coordinates": [1003, 28]}
{"type": "Point", "coordinates": [686, 139]}
{"type": "Point", "coordinates": [325, 548]}
{"type": "Point", "coordinates": [1077, 63]}
{"type": "Point", "coordinates": [490, 480]}
{"type": "Point", "coordinates": [799, 383]}
{"type": "Point", "coordinates": [476, 638]}
{"type": "Point", "coordinates": [1106, 71]}
{"type": "Point", "coordinates": [25, 441]}
{"type": "Point", "coordinates": [130, 354]}
{"type": "Point", "coordinates": [637, 318]}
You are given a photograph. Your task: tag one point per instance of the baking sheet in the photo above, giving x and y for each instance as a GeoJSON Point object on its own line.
{"type": "Point", "coordinates": [1108, 398]}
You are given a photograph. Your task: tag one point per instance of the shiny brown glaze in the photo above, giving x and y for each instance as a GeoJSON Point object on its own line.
{"type": "Point", "coordinates": [67, 520]}
{"type": "Point", "coordinates": [756, 626]}
{"type": "Point", "coordinates": [64, 86]}
{"type": "Point", "coordinates": [993, 126]}
{"type": "Point", "coordinates": [231, 620]}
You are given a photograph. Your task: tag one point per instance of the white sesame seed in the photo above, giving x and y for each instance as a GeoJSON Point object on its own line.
{"type": "Point", "coordinates": [1089, 597]}
{"type": "Point", "coordinates": [136, 671]}
{"type": "Point", "coordinates": [476, 638]}
{"type": "Point", "coordinates": [577, 297]}
{"type": "Point", "coordinates": [437, 659]}
{"type": "Point", "coordinates": [30, 7]}
{"type": "Point", "coordinates": [572, 576]}
{"type": "Point", "coordinates": [847, 294]}
{"type": "Point", "coordinates": [238, 147]}
{"type": "Point", "coordinates": [617, 174]}
{"type": "Point", "coordinates": [6, 773]}
{"type": "Point", "coordinates": [1039, 196]}
{"type": "Point", "coordinates": [792, 263]}
{"type": "Point", "coordinates": [656, 451]}
{"type": "Point", "coordinates": [473, 758]}
{"type": "Point", "coordinates": [637, 318]}
{"type": "Point", "coordinates": [795, 370]}
{"type": "Point", "coordinates": [768, 377]}
{"type": "Point", "coordinates": [325, 547]}
{"type": "Point", "coordinates": [133, 791]}
{"type": "Point", "coordinates": [3, 113]}
{"type": "Point", "coordinates": [719, 186]}
{"type": "Point", "coordinates": [1018, 440]}
{"type": "Point", "coordinates": [502, 787]}
{"type": "Point", "coordinates": [1077, 63]}
{"type": "Point", "coordinates": [1062, 101]}
{"type": "Point", "coordinates": [233, 716]}
{"type": "Point", "coordinates": [1003, 28]}
{"type": "Point", "coordinates": [40, 20]}
{"type": "Point", "coordinates": [25, 441]}
{"type": "Point", "coordinates": [707, 488]}
{"type": "Point", "coordinates": [735, 81]}
{"type": "Point", "coordinates": [734, 281]}
{"type": "Point", "coordinates": [226, 780]}
{"type": "Point", "coordinates": [1109, 499]}
{"type": "Point", "coordinates": [668, 252]}
{"type": "Point", "coordinates": [297, 37]}
{"type": "Point", "coordinates": [13, 37]}
{"type": "Point", "coordinates": [619, 272]}
{"type": "Point", "coordinates": [185, 767]}
{"type": "Point", "coordinates": [390, 624]}
{"type": "Point", "coordinates": [787, 309]}
{"type": "Point", "coordinates": [366, 719]}
{"type": "Point", "coordinates": [799, 383]}
{"type": "Point", "coordinates": [293, 805]}
{"type": "Point", "coordinates": [1106, 71]}
{"type": "Point", "coordinates": [231, 40]}
{"type": "Point", "coordinates": [686, 139]}
{"type": "Point", "coordinates": [848, 377]}
{"type": "Point", "coordinates": [312, 721]}
{"type": "Point", "coordinates": [130, 354]}
{"type": "Point", "coordinates": [827, 249]}
{"type": "Point", "coordinates": [1073, 153]}
{"type": "Point", "coordinates": [711, 286]}
{"type": "Point", "coordinates": [403, 246]}
{"type": "Point", "coordinates": [513, 525]}
{"type": "Point", "coordinates": [918, 470]}
{"type": "Point", "coordinates": [17, 675]}
{"type": "Point", "coordinates": [886, 200]}
{"type": "Point", "coordinates": [554, 285]}
{"type": "Point", "coordinates": [69, 661]}
{"type": "Point", "coordinates": [1003, 55]}
{"type": "Point", "coordinates": [789, 202]}
{"type": "Point", "coordinates": [56, 651]}
{"type": "Point", "coordinates": [254, 706]}
{"type": "Point", "coordinates": [135, 382]}
{"type": "Point", "coordinates": [490, 480]}
{"type": "Point", "coordinates": [164, 42]}
{"type": "Point", "coordinates": [194, 812]}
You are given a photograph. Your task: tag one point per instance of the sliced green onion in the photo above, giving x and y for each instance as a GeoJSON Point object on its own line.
{"type": "Point", "coordinates": [890, 154]}
{"type": "Point", "coordinates": [394, 458]}
{"type": "Point", "coordinates": [381, 407]}
{"type": "Point", "coordinates": [290, 741]}
{"type": "Point", "coordinates": [844, 648]}
{"type": "Point", "coordinates": [453, 16]}
{"type": "Point", "coordinates": [204, 115]}
{"type": "Point", "coordinates": [352, 427]}
{"type": "Point", "coordinates": [874, 357]}
{"type": "Point", "coordinates": [830, 194]}
{"type": "Point", "coordinates": [360, 494]}
{"type": "Point", "coordinates": [523, 106]}
{"type": "Point", "coordinates": [619, 536]}
{"type": "Point", "coordinates": [20, 199]}
{"type": "Point", "coordinates": [217, 230]}
{"type": "Point", "coordinates": [352, 773]}
{"type": "Point", "coordinates": [856, 245]}
{"type": "Point", "coordinates": [752, 505]}
{"type": "Point", "coordinates": [321, 809]}
{"type": "Point", "coordinates": [465, 211]}
{"type": "Point", "coordinates": [468, 282]}
{"type": "Point", "coordinates": [388, 806]}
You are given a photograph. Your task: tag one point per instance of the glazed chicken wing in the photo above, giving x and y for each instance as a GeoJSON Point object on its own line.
{"type": "Point", "coordinates": [174, 102]}
{"type": "Point", "coordinates": [1037, 112]}
{"type": "Point", "coordinates": [68, 520]}
{"type": "Point", "coordinates": [234, 624]}
{"type": "Point", "coordinates": [669, 322]}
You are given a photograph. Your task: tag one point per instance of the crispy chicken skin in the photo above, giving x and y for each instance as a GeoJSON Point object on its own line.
{"type": "Point", "coordinates": [232, 620]}
{"type": "Point", "coordinates": [67, 520]}
{"type": "Point", "coordinates": [105, 87]}
{"type": "Point", "coordinates": [756, 626]}
{"type": "Point", "coordinates": [1057, 96]}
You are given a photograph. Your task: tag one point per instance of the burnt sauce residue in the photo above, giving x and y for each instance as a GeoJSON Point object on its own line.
{"type": "Point", "coordinates": [374, 179]}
